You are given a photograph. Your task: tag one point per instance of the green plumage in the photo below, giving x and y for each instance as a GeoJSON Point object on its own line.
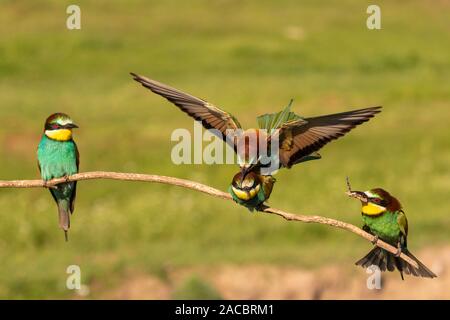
{"type": "Point", "coordinates": [386, 226]}
{"type": "Point", "coordinates": [59, 158]}
{"type": "Point", "coordinates": [270, 122]}
{"type": "Point", "coordinates": [251, 204]}
{"type": "Point", "coordinates": [297, 139]}
{"type": "Point", "coordinates": [275, 120]}
{"type": "Point", "coordinates": [384, 218]}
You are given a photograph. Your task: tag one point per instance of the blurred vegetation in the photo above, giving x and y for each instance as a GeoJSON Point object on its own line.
{"type": "Point", "coordinates": [195, 288]}
{"type": "Point", "coordinates": [249, 57]}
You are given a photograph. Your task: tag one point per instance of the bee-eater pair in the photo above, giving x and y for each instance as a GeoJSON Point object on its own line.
{"type": "Point", "coordinates": [299, 138]}
{"type": "Point", "coordinates": [384, 218]}
{"type": "Point", "coordinates": [58, 157]}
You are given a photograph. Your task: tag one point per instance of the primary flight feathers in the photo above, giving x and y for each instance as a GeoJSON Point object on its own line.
{"type": "Point", "coordinates": [210, 116]}
{"type": "Point", "coordinates": [298, 137]}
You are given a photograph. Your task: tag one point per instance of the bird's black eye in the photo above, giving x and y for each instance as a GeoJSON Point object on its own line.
{"type": "Point", "coordinates": [55, 126]}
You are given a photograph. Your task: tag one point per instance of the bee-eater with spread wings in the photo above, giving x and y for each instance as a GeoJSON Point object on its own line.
{"type": "Point", "coordinates": [299, 138]}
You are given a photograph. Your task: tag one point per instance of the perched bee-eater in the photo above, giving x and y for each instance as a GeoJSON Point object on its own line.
{"type": "Point", "coordinates": [58, 157]}
{"type": "Point", "coordinates": [298, 138]}
{"type": "Point", "coordinates": [384, 218]}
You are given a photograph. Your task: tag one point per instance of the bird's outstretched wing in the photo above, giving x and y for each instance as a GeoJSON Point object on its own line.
{"type": "Point", "coordinates": [210, 116]}
{"type": "Point", "coordinates": [300, 138]}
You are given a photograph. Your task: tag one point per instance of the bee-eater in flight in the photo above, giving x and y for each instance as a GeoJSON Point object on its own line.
{"type": "Point", "coordinates": [299, 138]}
{"type": "Point", "coordinates": [384, 218]}
{"type": "Point", "coordinates": [58, 157]}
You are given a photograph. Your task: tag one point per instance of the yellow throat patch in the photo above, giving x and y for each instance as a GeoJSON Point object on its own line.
{"type": "Point", "coordinates": [59, 135]}
{"type": "Point", "coordinates": [372, 209]}
{"type": "Point", "coordinates": [243, 195]}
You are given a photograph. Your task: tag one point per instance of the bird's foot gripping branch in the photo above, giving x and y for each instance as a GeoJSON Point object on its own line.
{"type": "Point", "coordinates": [207, 190]}
{"type": "Point", "coordinates": [384, 218]}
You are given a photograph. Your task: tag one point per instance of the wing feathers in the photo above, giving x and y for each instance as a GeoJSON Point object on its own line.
{"type": "Point", "coordinates": [210, 116]}
{"type": "Point", "coordinates": [312, 135]}
{"type": "Point", "coordinates": [298, 138]}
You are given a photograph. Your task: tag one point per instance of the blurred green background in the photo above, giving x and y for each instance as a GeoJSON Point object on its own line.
{"type": "Point", "coordinates": [249, 57]}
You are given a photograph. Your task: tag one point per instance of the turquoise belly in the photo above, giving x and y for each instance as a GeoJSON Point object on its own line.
{"type": "Point", "coordinates": [56, 158]}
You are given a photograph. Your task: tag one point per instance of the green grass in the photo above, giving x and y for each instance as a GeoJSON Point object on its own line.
{"type": "Point", "coordinates": [195, 288]}
{"type": "Point", "coordinates": [249, 57]}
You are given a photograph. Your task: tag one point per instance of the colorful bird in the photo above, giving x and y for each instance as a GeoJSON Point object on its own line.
{"type": "Point", "coordinates": [384, 218]}
{"type": "Point", "coordinates": [58, 157]}
{"type": "Point", "coordinates": [298, 139]}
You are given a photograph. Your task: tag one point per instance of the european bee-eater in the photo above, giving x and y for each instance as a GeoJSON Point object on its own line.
{"type": "Point", "coordinates": [58, 157]}
{"type": "Point", "coordinates": [299, 138]}
{"type": "Point", "coordinates": [384, 218]}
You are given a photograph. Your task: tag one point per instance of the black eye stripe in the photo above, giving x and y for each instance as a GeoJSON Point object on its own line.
{"type": "Point", "coordinates": [378, 201]}
{"type": "Point", "coordinates": [53, 126]}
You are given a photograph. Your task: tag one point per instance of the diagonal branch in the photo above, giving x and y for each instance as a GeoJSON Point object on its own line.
{"type": "Point", "coordinates": [205, 189]}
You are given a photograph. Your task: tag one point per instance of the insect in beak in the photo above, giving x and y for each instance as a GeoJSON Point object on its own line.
{"type": "Point", "coordinates": [361, 196]}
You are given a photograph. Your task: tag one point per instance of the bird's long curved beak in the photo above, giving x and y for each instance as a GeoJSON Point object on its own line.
{"type": "Point", "coordinates": [244, 171]}
{"type": "Point", "coordinates": [358, 195]}
{"type": "Point", "coordinates": [71, 126]}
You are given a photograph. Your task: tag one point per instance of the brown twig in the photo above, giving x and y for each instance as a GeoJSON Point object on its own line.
{"type": "Point", "coordinates": [205, 189]}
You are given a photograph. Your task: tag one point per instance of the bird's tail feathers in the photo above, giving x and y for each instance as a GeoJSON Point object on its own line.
{"type": "Point", "coordinates": [388, 261]}
{"type": "Point", "coordinates": [422, 271]}
{"type": "Point", "coordinates": [64, 217]}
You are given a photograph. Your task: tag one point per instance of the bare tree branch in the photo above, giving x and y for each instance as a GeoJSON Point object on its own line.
{"type": "Point", "coordinates": [205, 189]}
